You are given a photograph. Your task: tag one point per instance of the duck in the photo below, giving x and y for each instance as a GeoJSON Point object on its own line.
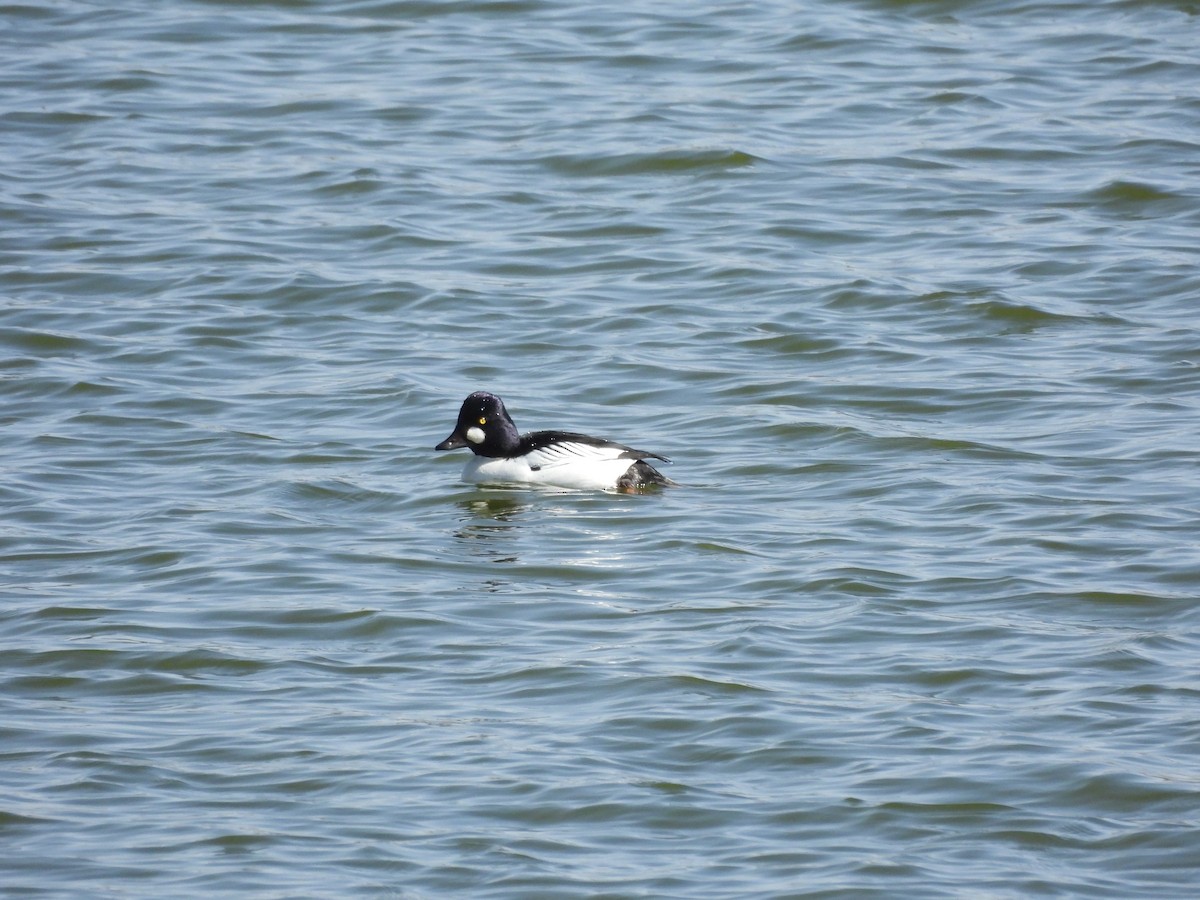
{"type": "Point", "coordinates": [556, 459]}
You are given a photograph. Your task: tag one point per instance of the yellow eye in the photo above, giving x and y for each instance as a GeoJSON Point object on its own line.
{"type": "Point", "coordinates": [483, 420]}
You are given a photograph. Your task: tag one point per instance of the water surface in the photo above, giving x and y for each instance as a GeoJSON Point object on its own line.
{"type": "Point", "coordinates": [907, 290]}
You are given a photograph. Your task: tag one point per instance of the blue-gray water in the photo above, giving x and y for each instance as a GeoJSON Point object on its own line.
{"type": "Point", "coordinates": [908, 290]}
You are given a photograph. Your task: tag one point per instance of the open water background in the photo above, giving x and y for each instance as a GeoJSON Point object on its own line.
{"type": "Point", "coordinates": [908, 290]}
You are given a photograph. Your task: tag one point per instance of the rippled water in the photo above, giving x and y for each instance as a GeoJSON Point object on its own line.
{"type": "Point", "coordinates": [908, 291]}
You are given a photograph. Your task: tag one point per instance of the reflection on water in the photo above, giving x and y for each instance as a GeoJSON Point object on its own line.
{"type": "Point", "coordinates": [499, 510]}
{"type": "Point", "coordinates": [488, 525]}
{"type": "Point", "coordinates": [500, 507]}
{"type": "Point", "coordinates": [582, 530]}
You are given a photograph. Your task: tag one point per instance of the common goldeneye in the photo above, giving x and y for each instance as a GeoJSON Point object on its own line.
{"type": "Point", "coordinates": [553, 458]}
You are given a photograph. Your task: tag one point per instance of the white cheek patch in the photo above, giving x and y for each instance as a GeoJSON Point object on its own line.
{"type": "Point", "coordinates": [475, 435]}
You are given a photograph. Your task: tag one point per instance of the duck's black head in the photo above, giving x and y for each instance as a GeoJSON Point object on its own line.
{"type": "Point", "coordinates": [485, 426]}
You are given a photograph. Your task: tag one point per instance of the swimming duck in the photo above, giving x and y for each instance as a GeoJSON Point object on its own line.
{"type": "Point", "coordinates": [561, 459]}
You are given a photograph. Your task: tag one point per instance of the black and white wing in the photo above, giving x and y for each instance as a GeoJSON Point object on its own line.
{"type": "Point", "coordinates": [547, 449]}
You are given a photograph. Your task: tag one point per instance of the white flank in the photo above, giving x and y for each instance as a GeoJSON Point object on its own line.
{"type": "Point", "coordinates": [569, 465]}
